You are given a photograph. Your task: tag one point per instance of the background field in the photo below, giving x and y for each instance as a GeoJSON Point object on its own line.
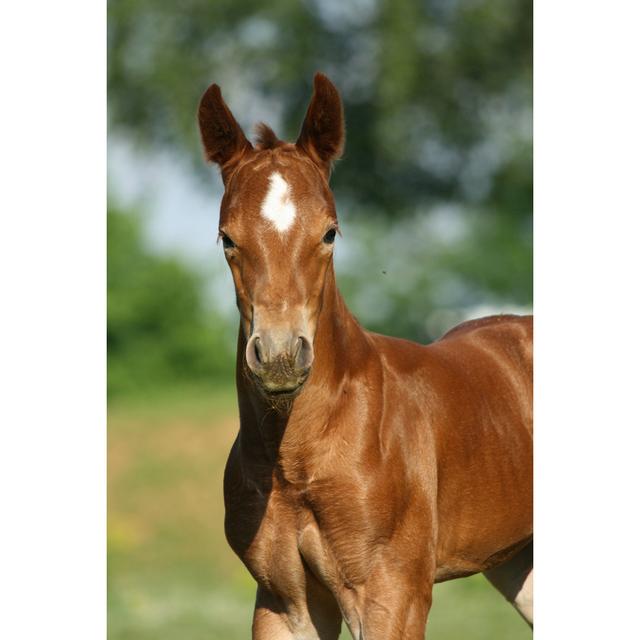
{"type": "Point", "coordinates": [171, 573]}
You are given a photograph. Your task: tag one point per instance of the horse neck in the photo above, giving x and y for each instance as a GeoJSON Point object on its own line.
{"type": "Point", "coordinates": [263, 424]}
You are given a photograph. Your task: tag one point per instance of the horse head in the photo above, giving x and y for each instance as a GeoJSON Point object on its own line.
{"type": "Point", "coordinates": [278, 225]}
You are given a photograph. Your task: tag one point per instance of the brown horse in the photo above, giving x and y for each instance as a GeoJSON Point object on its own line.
{"type": "Point", "coordinates": [366, 468]}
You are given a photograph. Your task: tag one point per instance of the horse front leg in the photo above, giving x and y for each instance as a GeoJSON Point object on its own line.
{"type": "Point", "coordinates": [316, 617]}
{"type": "Point", "coordinates": [392, 605]}
{"type": "Point", "coordinates": [269, 618]}
{"type": "Point", "coordinates": [384, 619]}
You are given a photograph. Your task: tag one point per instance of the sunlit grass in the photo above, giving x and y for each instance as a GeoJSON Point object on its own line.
{"type": "Point", "coordinates": [171, 573]}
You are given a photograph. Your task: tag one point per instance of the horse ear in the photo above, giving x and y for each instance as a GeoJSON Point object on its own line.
{"type": "Point", "coordinates": [222, 137]}
{"type": "Point", "coordinates": [322, 133]}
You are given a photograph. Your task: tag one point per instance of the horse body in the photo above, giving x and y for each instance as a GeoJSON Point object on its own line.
{"type": "Point", "coordinates": [356, 483]}
{"type": "Point", "coordinates": [410, 465]}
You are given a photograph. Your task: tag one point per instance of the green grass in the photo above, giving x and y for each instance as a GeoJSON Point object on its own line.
{"type": "Point", "coordinates": [171, 573]}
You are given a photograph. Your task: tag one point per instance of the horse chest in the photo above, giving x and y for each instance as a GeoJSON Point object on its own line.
{"type": "Point", "coordinates": [290, 541]}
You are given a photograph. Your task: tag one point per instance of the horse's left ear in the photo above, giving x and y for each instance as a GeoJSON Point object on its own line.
{"type": "Point", "coordinates": [322, 134]}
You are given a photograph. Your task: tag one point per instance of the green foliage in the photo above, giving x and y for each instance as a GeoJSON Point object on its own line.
{"type": "Point", "coordinates": [438, 101]}
{"type": "Point", "coordinates": [158, 329]}
{"type": "Point", "coordinates": [417, 277]}
{"type": "Point", "coordinates": [437, 94]}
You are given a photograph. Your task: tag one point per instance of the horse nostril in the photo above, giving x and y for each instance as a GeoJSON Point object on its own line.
{"type": "Point", "coordinates": [303, 356]}
{"type": "Point", "coordinates": [254, 354]}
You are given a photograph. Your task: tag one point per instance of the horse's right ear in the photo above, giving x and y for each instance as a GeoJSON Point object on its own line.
{"type": "Point", "coordinates": [223, 140]}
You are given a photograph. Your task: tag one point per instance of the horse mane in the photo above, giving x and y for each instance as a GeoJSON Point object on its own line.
{"type": "Point", "coordinates": [266, 137]}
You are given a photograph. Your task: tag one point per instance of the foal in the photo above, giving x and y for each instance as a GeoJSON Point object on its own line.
{"type": "Point", "coordinates": [366, 468]}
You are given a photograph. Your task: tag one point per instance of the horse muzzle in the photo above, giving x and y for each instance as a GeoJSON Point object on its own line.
{"type": "Point", "coordinates": [280, 361]}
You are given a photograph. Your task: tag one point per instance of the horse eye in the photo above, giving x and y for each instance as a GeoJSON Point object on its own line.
{"type": "Point", "coordinates": [227, 242]}
{"type": "Point", "coordinates": [329, 237]}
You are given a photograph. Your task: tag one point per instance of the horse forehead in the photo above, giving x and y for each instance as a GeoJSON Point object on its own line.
{"type": "Point", "coordinates": [278, 194]}
{"type": "Point", "coordinates": [279, 206]}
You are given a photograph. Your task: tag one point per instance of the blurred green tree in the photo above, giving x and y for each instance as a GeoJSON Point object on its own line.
{"type": "Point", "coordinates": [158, 328]}
{"type": "Point", "coordinates": [437, 93]}
{"type": "Point", "coordinates": [438, 102]}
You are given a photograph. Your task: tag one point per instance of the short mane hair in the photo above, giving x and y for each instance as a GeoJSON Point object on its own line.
{"type": "Point", "coordinates": [266, 137]}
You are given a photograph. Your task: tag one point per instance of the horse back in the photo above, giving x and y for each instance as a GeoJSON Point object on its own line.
{"type": "Point", "coordinates": [493, 356]}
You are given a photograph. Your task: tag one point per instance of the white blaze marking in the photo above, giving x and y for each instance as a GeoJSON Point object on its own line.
{"type": "Point", "coordinates": [277, 206]}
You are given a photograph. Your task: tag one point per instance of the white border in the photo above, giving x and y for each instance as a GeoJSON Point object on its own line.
{"type": "Point", "coordinates": [586, 114]}
{"type": "Point", "coordinates": [52, 335]}
{"type": "Point", "coordinates": [52, 259]}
